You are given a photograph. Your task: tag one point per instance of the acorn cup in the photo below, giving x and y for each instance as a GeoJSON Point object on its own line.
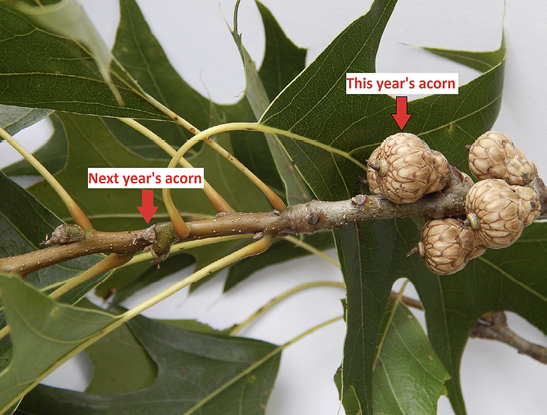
{"type": "Point", "coordinates": [494, 156]}
{"type": "Point", "coordinates": [403, 169]}
{"type": "Point", "coordinates": [499, 212]}
{"type": "Point", "coordinates": [447, 246]}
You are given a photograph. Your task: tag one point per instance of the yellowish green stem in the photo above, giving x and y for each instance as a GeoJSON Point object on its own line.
{"type": "Point", "coordinates": [272, 197]}
{"type": "Point", "coordinates": [218, 202]}
{"type": "Point", "coordinates": [147, 256]}
{"type": "Point", "coordinates": [77, 214]}
{"type": "Point", "coordinates": [110, 262]}
{"type": "Point", "coordinates": [254, 248]}
{"type": "Point", "coordinates": [177, 118]}
{"type": "Point", "coordinates": [4, 332]}
{"type": "Point", "coordinates": [178, 223]}
{"type": "Point", "coordinates": [222, 128]}
{"type": "Point", "coordinates": [330, 149]}
{"type": "Point", "coordinates": [280, 298]}
{"type": "Point", "coordinates": [301, 244]}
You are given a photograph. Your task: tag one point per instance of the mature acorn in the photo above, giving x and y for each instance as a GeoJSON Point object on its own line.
{"type": "Point", "coordinates": [498, 212]}
{"type": "Point", "coordinates": [372, 175]}
{"type": "Point", "coordinates": [494, 156]}
{"type": "Point", "coordinates": [447, 245]}
{"type": "Point", "coordinates": [403, 169]}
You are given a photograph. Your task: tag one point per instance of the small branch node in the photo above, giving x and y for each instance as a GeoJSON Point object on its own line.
{"type": "Point", "coordinates": [65, 234]}
{"type": "Point", "coordinates": [359, 200]}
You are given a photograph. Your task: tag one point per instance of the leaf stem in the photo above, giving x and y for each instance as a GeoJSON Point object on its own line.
{"type": "Point", "coordinates": [312, 142]}
{"type": "Point", "coordinates": [175, 217]}
{"type": "Point", "coordinates": [280, 298]}
{"type": "Point", "coordinates": [254, 248]}
{"type": "Point", "coordinates": [77, 214]}
{"type": "Point", "coordinates": [218, 202]}
{"type": "Point", "coordinates": [110, 262]}
{"type": "Point", "coordinates": [147, 256]}
{"type": "Point", "coordinates": [275, 200]}
{"type": "Point", "coordinates": [311, 249]}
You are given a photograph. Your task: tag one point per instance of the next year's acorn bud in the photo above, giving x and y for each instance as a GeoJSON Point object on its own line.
{"type": "Point", "coordinates": [498, 212]}
{"type": "Point", "coordinates": [494, 156]}
{"type": "Point", "coordinates": [403, 169]}
{"type": "Point", "coordinates": [447, 246]}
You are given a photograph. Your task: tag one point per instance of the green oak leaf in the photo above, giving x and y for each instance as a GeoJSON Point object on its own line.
{"type": "Point", "coordinates": [67, 19]}
{"type": "Point", "coordinates": [278, 48]}
{"type": "Point", "coordinates": [120, 363]}
{"type": "Point", "coordinates": [126, 281]}
{"type": "Point", "coordinates": [194, 326]}
{"type": "Point", "coordinates": [408, 377]}
{"type": "Point", "coordinates": [138, 50]}
{"type": "Point", "coordinates": [329, 135]}
{"type": "Point", "coordinates": [481, 61]}
{"type": "Point", "coordinates": [197, 374]}
{"type": "Point", "coordinates": [52, 155]}
{"type": "Point", "coordinates": [91, 144]}
{"type": "Point", "coordinates": [24, 224]}
{"type": "Point", "coordinates": [58, 72]}
{"type": "Point", "coordinates": [510, 279]}
{"type": "Point", "coordinates": [14, 119]}
{"type": "Point", "coordinates": [44, 333]}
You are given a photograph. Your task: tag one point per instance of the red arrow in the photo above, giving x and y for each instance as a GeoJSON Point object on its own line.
{"type": "Point", "coordinates": [147, 209]}
{"type": "Point", "coordinates": [402, 116]}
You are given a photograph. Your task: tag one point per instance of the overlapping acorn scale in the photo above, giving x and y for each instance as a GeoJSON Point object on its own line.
{"type": "Point", "coordinates": [529, 204]}
{"type": "Point", "coordinates": [502, 211]}
{"type": "Point", "coordinates": [372, 176]}
{"type": "Point", "coordinates": [413, 169]}
{"type": "Point", "coordinates": [494, 156]}
{"type": "Point", "coordinates": [447, 245]}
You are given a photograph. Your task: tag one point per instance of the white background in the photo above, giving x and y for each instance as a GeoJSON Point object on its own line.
{"type": "Point", "coordinates": [496, 380]}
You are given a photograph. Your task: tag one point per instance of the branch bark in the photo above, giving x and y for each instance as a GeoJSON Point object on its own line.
{"type": "Point", "coordinates": [304, 218]}
{"type": "Point", "coordinates": [493, 326]}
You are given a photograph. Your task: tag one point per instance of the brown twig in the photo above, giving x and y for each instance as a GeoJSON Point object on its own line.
{"type": "Point", "coordinates": [411, 302]}
{"type": "Point", "coordinates": [304, 218]}
{"type": "Point", "coordinates": [493, 326]}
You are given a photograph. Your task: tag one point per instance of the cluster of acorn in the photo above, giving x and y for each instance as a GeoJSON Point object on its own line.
{"type": "Point", "coordinates": [499, 206]}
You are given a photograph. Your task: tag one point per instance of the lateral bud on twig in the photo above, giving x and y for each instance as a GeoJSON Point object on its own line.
{"type": "Point", "coordinates": [65, 234]}
{"type": "Point", "coordinates": [161, 236]}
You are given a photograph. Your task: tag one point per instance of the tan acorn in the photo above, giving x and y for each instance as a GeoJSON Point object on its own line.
{"type": "Point", "coordinates": [373, 185]}
{"type": "Point", "coordinates": [499, 212]}
{"type": "Point", "coordinates": [529, 206]}
{"type": "Point", "coordinates": [447, 245]}
{"type": "Point", "coordinates": [403, 169]}
{"type": "Point", "coordinates": [494, 156]}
